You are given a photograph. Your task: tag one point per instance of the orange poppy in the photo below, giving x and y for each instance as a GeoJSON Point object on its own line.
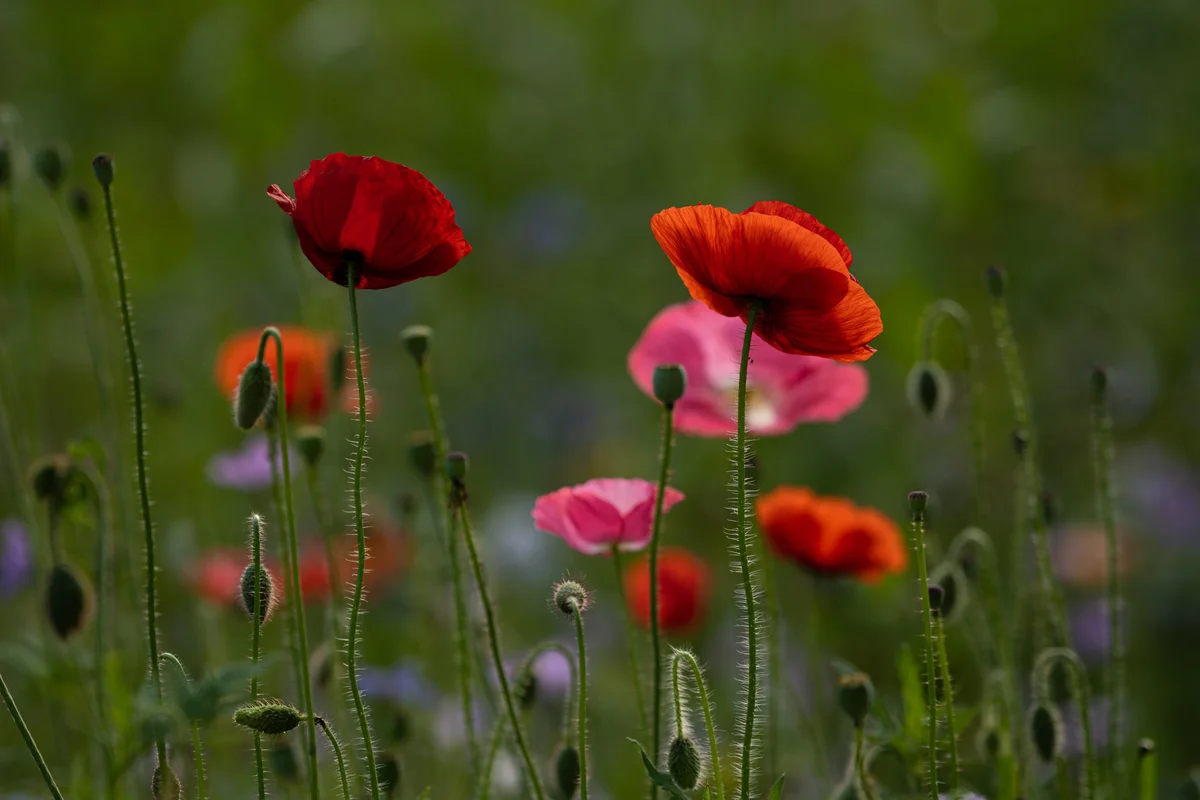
{"type": "Point", "coordinates": [781, 258]}
{"type": "Point", "coordinates": [307, 356]}
{"type": "Point", "coordinates": [386, 556]}
{"type": "Point", "coordinates": [831, 535]}
{"type": "Point", "coordinates": [683, 590]}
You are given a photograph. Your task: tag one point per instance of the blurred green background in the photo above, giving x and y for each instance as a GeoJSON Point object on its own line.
{"type": "Point", "coordinates": [936, 136]}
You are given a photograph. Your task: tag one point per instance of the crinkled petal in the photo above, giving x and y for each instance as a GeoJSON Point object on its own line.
{"type": "Point", "coordinates": [804, 219]}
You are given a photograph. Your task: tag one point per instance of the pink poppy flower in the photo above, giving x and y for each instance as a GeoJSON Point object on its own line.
{"type": "Point", "coordinates": [782, 390]}
{"type": "Point", "coordinates": [594, 516]}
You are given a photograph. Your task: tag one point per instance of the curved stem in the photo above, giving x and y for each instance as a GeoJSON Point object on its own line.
{"type": "Point", "coordinates": [948, 701]}
{"type": "Point", "coordinates": [677, 695]}
{"type": "Point", "coordinates": [360, 531]}
{"type": "Point", "coordinates": [301, 626]}
{"type": "Point", "coordinates": [255, 614]}
{"type": "Point", "coordinates": [139, 432]}
{"type": "Point", "coordinates": [581, 715]}
{"type": "Point", "coordinates": [1102, 459]}
{"type": "Point", "coordinates": [706, 706]}
{"type": "Point", "coordinates": [750, 709]}
{"type": "Point", "coordinates": [337, 752]}
{"type": "Point", "coordinates": [198, 753]}
{"type": "Point", "coordinates": [11, 705]}
{"type": "Point", "coordinates": [664, 472]}
{"type": "Point", "coordinates": [632, 640]}
{"type": "Point", "coordinates": [918, 527]}
{"type": "Point", "coordinates": [489, 761]}
{"type": "Point", "coordinates": [1041, 671]}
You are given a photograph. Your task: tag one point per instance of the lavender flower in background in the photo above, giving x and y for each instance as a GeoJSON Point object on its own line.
{"type": "Point", "coordinates": [16, 557]}
{"type": "Point", "coordinates": [247, 469]}
{"type": "Point", "coordinates": [551, 670]}
{"type": "Point", "coordinates": [1090, 629]}
{"type": "Point", "coordinates": [1163, 493]}
{"type": "Point", "coordinates": [1098, 719]}
{"type": "Point", "coordinates": [402, 684]}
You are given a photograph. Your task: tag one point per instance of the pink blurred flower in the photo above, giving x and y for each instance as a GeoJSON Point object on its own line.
{"type": "Point", "coordinates": [782, 390]}
{"type": "Point", "coordinates": [594, 516]}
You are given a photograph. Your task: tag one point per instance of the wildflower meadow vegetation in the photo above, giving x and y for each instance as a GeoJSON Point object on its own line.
{"type": "Point", "coordinates": [687, 610]}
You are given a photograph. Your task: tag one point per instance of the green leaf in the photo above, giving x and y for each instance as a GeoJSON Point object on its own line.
{"type": "Point", "coordinates": [662, 780]}
{"type": "Point", "coordinates": [776, 790]}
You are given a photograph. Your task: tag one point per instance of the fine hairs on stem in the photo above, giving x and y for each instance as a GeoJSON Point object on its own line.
{"type": "Point", "coordinates": [679, 658]}
{"type": "Point", "coordinates": [360, 531]}
{"type": "Point", "coordinates": [13, 712]}
{"type": "Point", "coordinates": [1042, 668]}
{"type": "Point", "coordinates": [336, 745]}
{"type": "Point", "coordinates": [256, 537]}
{"type": "Point", "coordinates": [655, 624]}
{"type": "Point", "coordinates": [102, 165]}
{"type": "Point", "coordinates": [198, 750]}
{"type": "Point", "coordinates": [918, 501]}
{"type": "Point", "coordinates": [581, 714]}
{"type": "Point", "coordinates": [939, 632]}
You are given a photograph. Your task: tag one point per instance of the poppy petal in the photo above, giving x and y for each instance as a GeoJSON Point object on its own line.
{"type": "Point", "coordinates": [842, 333]}
{"type": "Point", "coordinates": [778, 208]}
{"type": "Point", "coordinates": [281, 197]}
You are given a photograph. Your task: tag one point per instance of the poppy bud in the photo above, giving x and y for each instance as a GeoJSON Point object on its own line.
{"type": "Point", "coordinates": [683, 762]}
{"type": "Point", "coordinates": [569, 596]}
{"type": "Point", "coordinates": [918, 501]}
{"type": "Point", "coordinates": [566, 771]}
{"type": "Point", "coordinates": [1145, 747]}
{"type": "Point", "coordinates": [49, 164]}
{"type": "Point", "coordinates": [387, 770]}
{"type": "Point", "coordinates": [167, 789]}
{"type": "Point", "coordinates": [670, 382]}
{"type": "Point", "coordinates": [417, 339]}
{"type": "Point", "coordinates": [255, 388]}
{"type": "Point", "coordinates": [995, 279]}
{"type": "Point", "coordinates": [311, 441]}
{"type": "Point", "coordinates": [6, 169]}
{"type": "Point", "coordinates": [1046, 732]}
{"type": "Point", "coordinates": [283, 761]}
{"type": "Point", "coordinates": [949, 577]}
{"type": "Point", "coordinates": [80, 202]}
{"type": "Point", "coordinates": [936, 595]}
{"type": "Point", "coordinates": [525, 689]}
{"type": "Point", "coordinates": [456, 466]}
{"type": "Point", "coordinates": [102, 166]}
{"type": "Point", "coordinates": [68, 601]}
{"type": "Point", "coordinates": [929, 389]}
{"type": "Point", "coordinates": [988, 742]}
{"type": "Point", "coordinates": [422, 453]}
{"type": "Point", "coordinates": [856, 695]}
{"type": "Point", "coordinates": [266, 592]}
{"type": "Point", "coordinates": [273, 718]}
{"type": "Point", "coordinates": [1020, 443]}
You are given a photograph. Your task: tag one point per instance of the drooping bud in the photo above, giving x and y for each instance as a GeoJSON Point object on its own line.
{"type": "Point", "coordinates": [1046, 732]}
{"type": "Point", "coordinates": [683, 762]}
{"type": "Point", "coordinates": [456, 466]}
{"type": "Point", "coordinates": [68, 601]}
{"type": "Point", "coordinates": [310, 440]}
{"type": "Point", "coordinates": [387, 770]}
{"type": "Point", "coordinates": [50, 165]}
{"type": "Point", "coordinates": [422, 453]}
{"type": "Point", "coordinates": [283, 761]}
{"type": "Point", "coordinates": [936, 596]}
{"type": "Point", "coordinates": [566, 771]}
{"type": "Point", "coordinates": [266, 592]}
{"type": "Point", "coordinates": [670, 382]}
{"type": "Point", "coordinates": [856, 695]}
{"type": "Point", "coordinates": [525, 689]}
{"type": "Point", "coordinates": [918, 501]}
{"type": "Point", "coordinates": [254, 392]}
{"type": "Point", "coordinates": [102, 166]}
{"type": "Point", "coordinates": [929, 389]}
{"type": "Point", "coordinates": [995, 279]}
{"type": "Point", "coordinates": [949, 577]}
{"type": "Point", "coordinates": [165, 788]}
{"type": "Point", "coordinates": [570, 596]}
{"type": "Point", "coordinates": [80, 203]}
{"type": "Point", "coordinates": [272, 717]}
{"type": "Point", "coordinates": [417, 339]}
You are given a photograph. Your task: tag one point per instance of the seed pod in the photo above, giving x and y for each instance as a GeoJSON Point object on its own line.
{"type": "Point", "coordinates": [254, 391]}
{"type": "Point", "coordinates": [273, 717]}
{"type": "Point", "coordinates": [683, 762]}
{"type": "Point", "coordinates": [569, 596]}
{"type": "Point", "coordinates": [68, 601]}
{"type": "Point", "coordinates": [311, 442]}
{"type": "Point", "coordinates": [417, 339]}
{"type": "Point", "coordinates": [456, 466]}
{"type": "Point", "coordinates": [670, 382]}
{"type": "Point", "coordinates": [856, 695]}
{"type": "Point", "coordinates": [1046, 732]}
{"type": "Point", "coordinates": [167, 789]}
{"type": "Point", "coordinates": [929, 389]}
{"type": "Point", "coordinates": [266, 592]}
{"type": "Point", "coordinates": [102, 167]}
{"type": "Point", "coordinates": [566, 771]}
{"type": "Point", "coordinates": [918, 501]}
{"type": "Point", "coordinates": [387, 770]}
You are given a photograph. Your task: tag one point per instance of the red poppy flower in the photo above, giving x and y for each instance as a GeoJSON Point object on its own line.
{"type": "Point", "coordinates": [387, 219]}
{"type": "Point", "coordinates": [782, 258]}
{"type": "Point", "coordinates": [831, 535]}
{"type": "Point", "coordinates": [683, 590]}
{"type": "Point", "coordinates": [217, 576]}
{"type": "Point", "coordinates": [386, 557]}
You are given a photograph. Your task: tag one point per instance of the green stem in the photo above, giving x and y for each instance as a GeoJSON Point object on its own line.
{"type": "Point", "coordinates": [493, 636]}
{"type": "Point", "coordinates": [918, 528]}
{"type": "Point", "coordinates": [664, 472]}
{"type": "Point", "coordinates": [631, 638]}
{"type": "Point", "coordinates": [301, 626]}
{"type": "Point", "coordinates": [1041, 671]}
{"type": "Point", "coordinates": [750, 708]}
{"type": "Point", "coordinates": [581, 715]}
{"type": "Point", "coordinates": [677, 695]}
{"type": "Point", "coordinates": [256, 551]}
{"type": "Point", "coordinates": [489, 761]}
{"type": "Point", "coordinates": [774, 665]}
{"type": "Point", "coordinates": [948, 701]}
{"type": "Point", "coordinates": [1148, 776]}
{"type": "Point", "coordinates": [337, 752]}
{"type": "Point", "coordinates": [1062, 777]}
{"type": "Point", "coordinates": [103, 550]}
{"type": "Point", "coordinates": [702, 690]}
{"type": "Point", "coordinates": [139, 432]}
{"type": "Point", "coordinates": [860, 764]}
{"type": "Point", "coordinates": [28, 737]}
{"type": "Point", "coordinates": [360, 531]}
{"type": "Point", "coordinates": [199, 756]}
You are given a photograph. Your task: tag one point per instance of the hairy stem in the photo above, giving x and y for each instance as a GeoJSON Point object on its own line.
{"type": "Point", "coordinates": [706, 706]}
{"type": "Point", "coordinates": [948, 702]}
{"type": "Point", "coordinates": [918, 528]}
{"type": "Point", "coordinates": [198, 754]}
{"type": "Point", "coordinates": [256, 535]}
{"type": "Point", "coordinates": [15, 713]}
{"type": "Point", "coordinates": [664, 473]}
{"type": "Point", "coordinates": [337, 752]}
{"type": "Point", "coordinates": [1041, 671]}
{"type": "Point", "coordinates": [631, 637]}
{"type": "Point", "coordinates": [581, 715]}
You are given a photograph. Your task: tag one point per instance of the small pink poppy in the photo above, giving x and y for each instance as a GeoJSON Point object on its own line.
{"type": "Point", "coordinates": [594, 516]}
{"type": "Point", "coordinates": [782, 390]}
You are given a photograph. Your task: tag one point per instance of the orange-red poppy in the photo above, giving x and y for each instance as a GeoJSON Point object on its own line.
{"type": "Point", "coordinates": [683, 590]}
{"type": "Point", "coordinates": [216, 576]}
{"type": "Point", "coordinates": [387, 555]}
{"type": "Point", "coordinates": [783, 259]}
{"type": "Point", "coordinates": [307, 356]}
{"type": "Point", "coordinates": [831, 535]}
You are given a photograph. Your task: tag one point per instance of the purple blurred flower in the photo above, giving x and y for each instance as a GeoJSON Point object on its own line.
{"type": "Point", "coordinates": [16, 557]}
{"type": "Point", "coordinates": [1097, 721]}
{"type": "Point", "coordinates": [1090, 629]}
{"type": "Point", "coordinates": [402, 684]}
{"type": "Point", "coordinates": [247, 469]}
{"type": "Point", "coordinates": [551, 669]}
{"type": "Point", "coordinates": [1163, 492]}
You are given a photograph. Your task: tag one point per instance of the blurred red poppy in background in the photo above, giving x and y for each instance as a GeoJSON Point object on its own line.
{"type": "Point", "coordinates": [684, 586]}
{"type": "Point", "coordinates": [387, 556]}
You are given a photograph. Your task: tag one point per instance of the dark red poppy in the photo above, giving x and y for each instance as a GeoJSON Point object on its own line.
{"type": "Point", "coordinates": [773, 254]}
{"type": "Point", "coordinates": [683, 590]}
{"type": "Point", "coordinates": [388, 220]}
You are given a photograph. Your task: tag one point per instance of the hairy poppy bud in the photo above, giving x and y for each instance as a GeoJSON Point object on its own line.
{"type": "Point", "coordinates": [387, 770]}
{"type": "Point", "coordinates": [68, 601]}
{"type": "Point", "coordinates": [566, 771]}
{"type": "Point", "coordinates": [50, 166]}
{"type": "Point", "coordinates": [569, 596]}
{"type": "Point", "coordinates": [525, 689]}
{"type": "Point", "coordinates": [80, 202]}
{"type": "Point", "coordinates": [102, 166]}
{"type": "Point", "coordinates": [670, 382]}
{"type": "Point", "coordinates": [273, 718]}
{"type": "Point", "coordinates": [936, 596]}
{"type": "Point", "coordinates": [918, 501]}
{"type": "Point", "coordinates": [929, 389]}
{"type": "Point", "coordinates": [254, 391]}
{"type": "Point", "coordinates": [456, 466]}
{"type": "Point", "coordinates": [995, 279]}
{"type": "Point", "coordinates": [1046, 732]}
{"type": "Point", "coordinates": [165, 788]}
{"type": "Point", "coordinates": [417, 339]}
{"type": "Point", "coordinates": [311, 441]}
{"type": "Point", "coordinates": [284, 764]}
{"type": "Point", "coordinates": [856, 695]}
{"type": "Point", "coordinates": [422, 453]}
{"type": "Point", "coordinates": [266, 592]}
{"type": "Point", "coordinates": [683, 762]}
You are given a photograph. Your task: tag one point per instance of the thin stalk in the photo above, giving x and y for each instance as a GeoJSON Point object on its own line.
{"type": "Point", "coordinates": [493, 636]}
{"type": "Point", "coordinates": [860, 768]}
{"type": "Point", "coordinates": [489, 761]}
{"type": "Point", "coordinates": [360, 531]}
{"type": "Point", "coordinates": [664, 472]}
{"type": "Point", "coordinates": [774, 665]}
{"type": "Point", "coordinates": [702, 690]}
{"type": "Point", "coordinates": [337, 752]}
{"type": "Point", "coordinates": [918, 528]}
{"type": "Point", "coordinates": [314, 783]}
{"type": "Point", "coordinates": [255, 642]}
{"type": "Point", "coordinates": [581, 715]}
{"type": "Point", "coordinates": [1148, 775]}
{"type": "Point", "coordinates": [750, 709]}
{"type": "Point", "coordinates": [198, 754]}
{"type": "Point", "coordinates": [1062, 777]}
{"type": "Point", "coordinates": [631, 638]}
{"type": "Point", "coordinates": [1041, 670]}
{"type": "Point", "coordinates": [948, 695]}
{"type": "Point", "coordinates": [15, 713]}
{"type": "Point", "coordinates": [139, 432]}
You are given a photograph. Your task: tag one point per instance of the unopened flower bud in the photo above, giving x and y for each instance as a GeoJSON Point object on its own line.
{"type": "Point", "coordinates": [387, 770]}
{"type": "Point", "coordinates": [68, 601]}
{"type": "Point", "coordinates": [1046, 732]}
{"type": "Point", "coordinates": [683, 762]}
{"type": "Point", "coordinates": [670, 382]}
{"type": "Point", "coordinates": [525, 689]}
{"type": "Point", "coordinates": [995, 279]}
{"type": "Point", "coordinates": [918, 501]}
{"type": "Point", "coordinates": [80, 202]}
{"type": "Point", "coordinates": [566, 771]}
{"type": "Point", "coordinates": [310, 439]}
{"type": "Point", "coordinates": [254, 391]}
{"type": "Point", "coordinates": [417, 339]}
{"type": "Point", "coordinates": [570, 596]}
{"type": "Point", "coordinates": [273, 718]}
{"type": "Point", "coordinates": [936, 595]}
{"type": "Point", "coordinates": [929, 389]}
{"type": "Point", "coordinates": [456, 466]}
{"type": "Point", "coordinates": [102, 166]}
{"type": "Point", "coordinates": [856, 695]}
{"type": "Point", "coordinates": [165, 788]}
{"type": "Point", "coordinates": [50, 166]}
{"type": "Point", "coordinates": [266, 592]}
{"type": "Point", "coordinates": [422, 453]}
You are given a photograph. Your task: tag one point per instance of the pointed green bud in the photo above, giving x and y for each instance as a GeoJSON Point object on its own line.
{"type": "Point", "coordinates": [387, 769]}
{"type": "Point", "coordinates": [569, 596]}
{"type": "Point", "coordinates": [918, 501]}
{"type": "Point", "coordinates": [929, 389]}
{"type": "Point", "coordinates": [265, 588]}
{"type": "Point", "coordinates": [254, 391]}
{"type": "Point", "coordinates": [422, 453]}
{"type": "Point", "coordinates": [272, 717]}
{"type": "Point", "coordinates": [1046, 732]}
{"type": "Point", "coordinates": [566, 771]}
{"type": "Point", "coordinates": [68, 601]}
{"type": "Point", "coordinates": [683, 762]}
{"type": "Point", "coordinates": [310, 439]}
{"type": "Point", "coordinates": [995, 279]}
{"type": "Point", "coordinates": [167, 788]}
{"type": "Point", "coordinates": [417, 339]}
{"type": "Point", "coordinates": [670, 382]}
{"type": "Point", "coordinates": [50, 165]}
{"type": "Point", "coordinates": [102, 166]}
{"type": "Point", "coordinates": [855, 696]}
